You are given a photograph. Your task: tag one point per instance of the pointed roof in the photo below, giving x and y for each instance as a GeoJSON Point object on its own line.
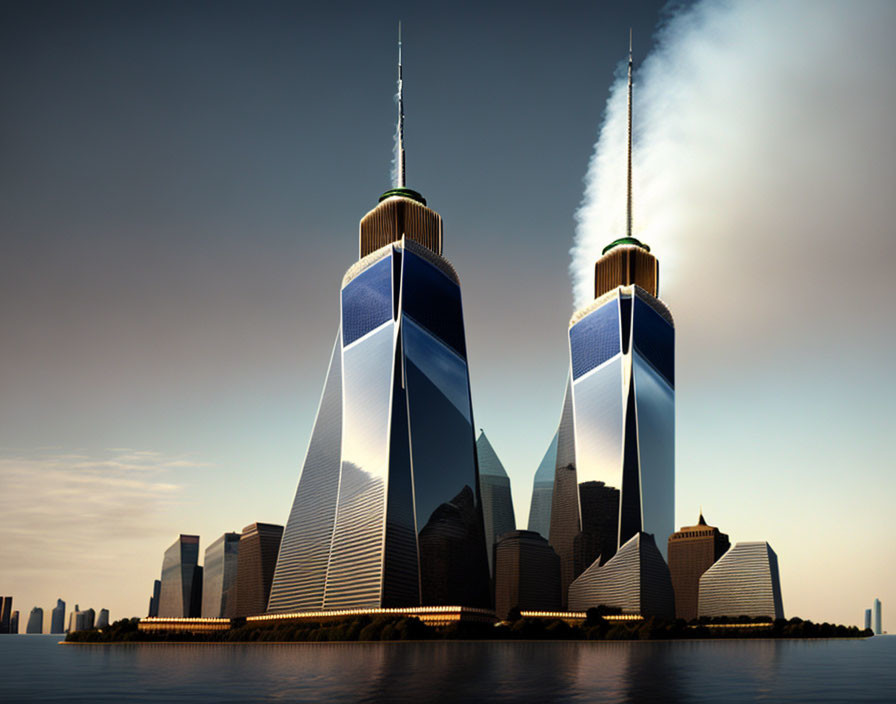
{"type": "Point", "coordinates": [489, 464]}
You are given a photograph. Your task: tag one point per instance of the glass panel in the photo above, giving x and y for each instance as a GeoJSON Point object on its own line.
{"type": "Point", "coordinates": [367, 301]}
{"type": "Point", "coordinates": [302, 564]}
{"type": "Point", "coordinates": [542, 492]}
{"type": "Point", "coordinates": [655, 339]}
{"type": "Point", "coordinates": [451, 541]}
{"type": "Point", "coordinates": [594, 339]}
{"type": "Point", "coordinates": [354, 578]}
{"type": "Point", "coordinates": [598, 425]}
{"type": "Point", "coordinates": [655, 402]}
{"type": "Point", "coordinates": [433, 301]}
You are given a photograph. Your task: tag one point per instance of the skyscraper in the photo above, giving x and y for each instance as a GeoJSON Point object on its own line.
{"type": "Point", "coordinates": [14, 622]}
{"type": "Point", "coordinates": [877, 618]}
{"type": "Point", "coordinates": [388, 509]}
{"type": "Point", "coordinates": [81, 620]}
{"type": "Point", "coordinates": [5, 613]}
{"type": "Point", "coordinates": [57, 619]}
{"type": "Point", "coordinates": [619, 410]}
{"type": "Point", "coordinates": [543, 492]}
{"type": "Point", "coordinates": [102, 619]}
{"type": "Point", "coordinates": [219, 575]}
{"type": "Point", "coordinates": [635, 580]}
{"type": "Point", "coordinates": [35, 621]}
{"type": "Point", "coordinates": [692, 551]}
{"type": "Point", "coordinates": [497, 503]}
{"type": "Point", "coordinates": [180, 593]}
{"type": "Point", "coordinates": [527, 574]}
{"type": "Point", "coordinates": [867, 619]}
{"type": "Point", "coordinates": [257, 548]}
{"type": "Point", "coordinates": [154, 599]}
{"type": "Point", "coordinates": [743, 582]}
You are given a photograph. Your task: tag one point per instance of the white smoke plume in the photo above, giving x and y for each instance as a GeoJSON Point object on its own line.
{"type": "Point", "coordinates": [763, 154]}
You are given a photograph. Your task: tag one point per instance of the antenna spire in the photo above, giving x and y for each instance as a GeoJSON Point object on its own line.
{"type": "Point", "coordinates": [628, 212]}
{"type": "Point", "coordinates": [400, 156]}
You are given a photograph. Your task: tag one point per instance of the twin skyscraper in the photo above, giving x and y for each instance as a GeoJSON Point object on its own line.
{"type": "Point", "coordinates": [388, 510]}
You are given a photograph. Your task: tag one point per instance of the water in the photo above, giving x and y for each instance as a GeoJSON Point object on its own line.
{"type": "Point", "coordinates": [35, 668]}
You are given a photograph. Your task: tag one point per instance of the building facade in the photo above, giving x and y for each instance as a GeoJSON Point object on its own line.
{"type": "Point", "coordinates": [388, 511]}
{"type": "Point", "coordinates": [693, 550]}
{"type": "Point", "coordinates": [867, 619]}
{"type": "Point", "coordinates": [635, 580]}
{"type": "Point", "coordinates": [527, 574]}
{"type": "Point", "coordinates": [35, 621]}
{"type": "Point", "coordinates": [543, 492]}
{"type": "Point", "coordinates": [257, 548]}
{"type": "Point", "coordinates": [878, 625]}
{"type": "Point", "coordinates": [81, 620]}
{"type": "Point", "coordinates": [14, 622]}
{"type": "Point", "coordinates": [219, 575]}
{"type": "Point", "coordinates": [743, 582]}
{"type": "Point", "coordinates": [102, 619]}
{"type": "Point", "coordinates": [57, 618]}
{"type": "Point", "coordinates": [5, 613]}
{"type": "Point", "coordinates": [180, 592]}
{"type": "Point", "coordinates": [497, 503]}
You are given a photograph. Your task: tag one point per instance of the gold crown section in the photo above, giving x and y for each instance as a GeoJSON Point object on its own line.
{"type": "Point", "coordinates": [397, 217]}
{"type": "Point", "coordinates": [625, 265]}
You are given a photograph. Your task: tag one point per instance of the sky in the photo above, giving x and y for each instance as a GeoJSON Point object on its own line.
{"type": "Point", "coordinates": [180, 191]}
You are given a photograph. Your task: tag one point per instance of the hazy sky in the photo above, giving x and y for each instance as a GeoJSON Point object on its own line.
{"type": "Point", "coordinates": [180, 190]}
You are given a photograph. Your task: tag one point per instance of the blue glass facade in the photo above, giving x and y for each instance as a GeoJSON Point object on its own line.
{"type": "Point", "coordinates": [394, 461]}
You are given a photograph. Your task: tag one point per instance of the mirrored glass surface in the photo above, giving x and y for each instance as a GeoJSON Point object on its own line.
{"type": "Point", "coordinates": [598, 425]}
{"type": "Point", "coordinates": [367, 301]}
{"type": "Point", "coordinates": [595, 338]}
{"type": "Point", "coordinates": [433, 301]}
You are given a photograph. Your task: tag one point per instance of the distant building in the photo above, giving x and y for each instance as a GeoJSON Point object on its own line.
{"type": "Point", "coordinates": [877, 620]}
{"type": "Point", "coordinates": [102, 621]}
{"type": "Point", "coordinates": [181, 592]}
{"type": "Point", "coordinates": [867, 619]}
{"type": "Point", "coordinates": [14, 623]}
{"type": "Point", "coordinates": [81, 620]}
{"type": "Point", "coordinates": [497, 503]}
{"type": "Point", "coordinates": [154, 599]}
{"type": "Point", "coordinates": [219, 575]}
{"type": "Point", "coordinates": [692, 551]}
{"type": "Point", "coordinates": [744, 582]}
{"type": "Point", "coordinates": [543, 492]}
{"type": "Point", "coordinates": [35, 621]}
{"type": "Point", "coordinates": [258, 548]}
{"type": "Point", "coordinates": [5, 613]}
{"type": "Point", "coordinates": [57, 618]}
{"type": "Point", "coordinates": [527, 573]}
{"type": "Point", "coordinates": [636, 580]}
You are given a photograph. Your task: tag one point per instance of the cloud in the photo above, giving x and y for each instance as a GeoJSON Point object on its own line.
{"type": "Point", "coordinates": [764, 165]}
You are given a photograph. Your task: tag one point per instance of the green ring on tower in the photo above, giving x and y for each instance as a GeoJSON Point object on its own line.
{"type": "Point", "coordinates": [403, 193]}
{"type": "Point", "coordinates": [625, 240]}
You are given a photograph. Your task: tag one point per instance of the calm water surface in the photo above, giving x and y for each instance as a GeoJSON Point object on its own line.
{"type": "Point", "coordinates": [35, 668]}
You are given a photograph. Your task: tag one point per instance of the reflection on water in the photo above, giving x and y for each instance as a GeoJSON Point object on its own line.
{"type": "Point", "coordinates": [36, 669]}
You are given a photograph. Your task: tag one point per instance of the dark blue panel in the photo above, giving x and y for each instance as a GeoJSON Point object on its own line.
{"type": "Point", "coordinates": [654, 338]}
{"type": "Point", "coordinates": [433, 300]}
{"type": "Point", "coordinates": [594, 339]}
{"type": "Point", "coordinates": [367, 301]}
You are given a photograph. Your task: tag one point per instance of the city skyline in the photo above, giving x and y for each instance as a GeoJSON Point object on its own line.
{"type": "Point", "coordinates": [213, 405]}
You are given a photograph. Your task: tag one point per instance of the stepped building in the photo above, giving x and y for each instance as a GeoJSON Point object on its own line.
{"type": "Point", "coordinates": [497, 503]}
{"type": "Point", "coordinates": [744, 582]}
{"type": "Point", "coordinates": [388, 510]}
{"type": "Point", "coordinates": [692, 551]}
{"type": "Point", "coordinates": [615, 469]}
{"type": "Point", "coordinates": [636, 580]}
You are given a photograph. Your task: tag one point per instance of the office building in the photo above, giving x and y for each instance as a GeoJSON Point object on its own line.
{"type": "Point", "coordinates": [635, 580]}
{"type": "Point", "coordinates": [35, 621]}
{"type": "Point", "coordinates": [257, 548]}
{"type": "Point", "coordinates": [57, 618]}
{"type": "Point", "coordinates": [81, 620]}
{"type": "Point", "coordinates": [867, 619]}
{"type": "Point", "coordinates": [154, 599]}
{"type": "Point", "coordinates": [497, 503]}
{"type": "Point", "coordinates": [743, 582]}
{"type": "Point", "coordinates": [5, 613]}
{"type": "Point", "coordinates": [14, 623]}
{"type": "Point", "coordinates": [527, 574]}
{"type": "Point", "coordinates": [219, 575]}
{"type": "Point", "coordinates": [180, 594]}
{"type": "Point", "coordinates": [878, 630]}
{"type": "Point", "coordinates": [543, 492]}
{"type": "Point", "coordinates": [388, 509]}
{"type": "Point", "coordinates": [102, 619]}
{"type": "Point", "coordinates": [692, 551]}
{"type": "Point", "coordinates": [619, 410]}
